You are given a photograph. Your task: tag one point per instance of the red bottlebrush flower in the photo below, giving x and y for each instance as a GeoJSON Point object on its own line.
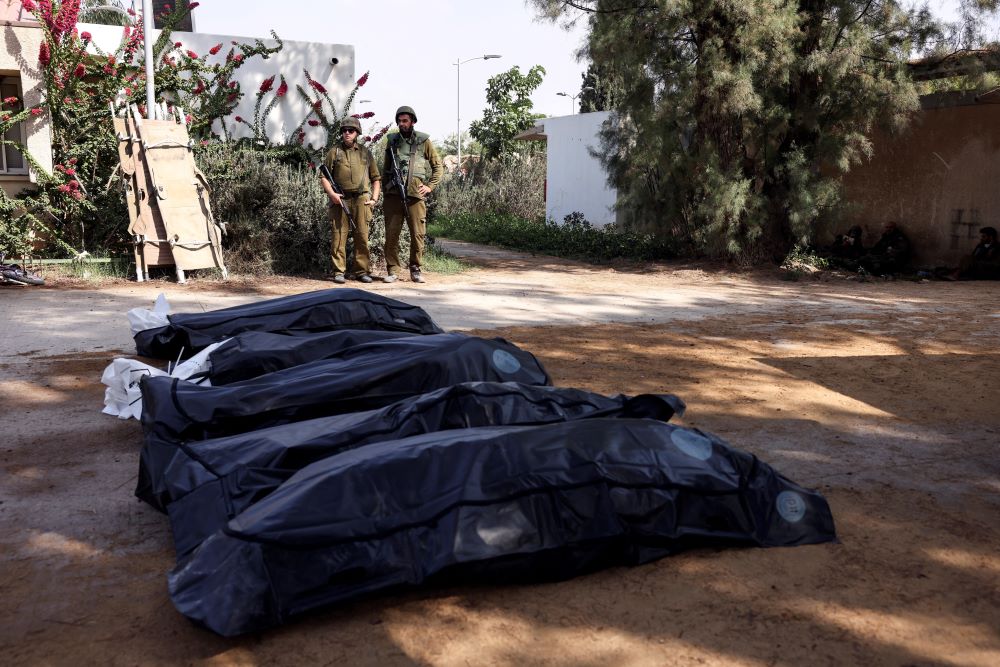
{"type": "Point", "coordinates": [232, 84]}
{"type": "Point", "coordinates": [177, 45]}
{"type": "Point", "coordinates": [363, 80]}
{"type": "Point", "coordinates": [239, 120]}
{"type": "Point", "coordinates": [204, 142]}
{"type": "Point", "coordinates": [200, 88]}
{"type": "Point", "coordinates": [67, 100]}
{"type": "Point", "coordinates": [5, 117]}
{"type": "Point", "coordinates": [192, 55]}
{"type": "Point", "coordinates": [234, 42]}
{"type": "Point", "coordinates": [111, 60]}
{"type": "Point", "coordinates": [318, 105]}
{"type": "Point", "coordinates": [282, 89]}
{"type": "Point", "coordinates": [314, 122]}
{"type": "Point", "coordinates": [71, 172]}
{"type": "Point", "coordinates": [128, 92]}
{"type": "Point", "coordinates": [317, 86]}
{"type": "Point", "coordinates": [266, 85]}
{"type": "Point", "coordinates": [36, 112]}
{"type": "Point", "coordinates": [368, 114]}
{"type": "Point", "coordinates": [10, 100]}
{"type": "Point", "coordinates": [85, 36]}
{"type": "Point", "coordinates": [44, 55]}
{"type": "Point", "coordinates": [166, 8]}
{"type": "Point", "coordinates": [64, 188]}
{"type": "Point", "coordinates": [28, 5]}
{"type": "Point", "coordinates": [231, 97]}
{"type": "Point", "coordinates": [130, 11]}
{"type": "Point", "coordinates": [72, 160]}
{"type": "Point", "coordinates": [59, 167]}
{"type": "Point", "coordinates": [108, 69]}
{"type": "Point", "coordinates": [76, 195]}
{"type": "Point", "coordinates": [367, 138]}
{"type": "Point", "coordinates": [188, 118]}
{"type": "Point", "coordinates": [193, 5]}
{"type": "Point", "coordinates": [215, 49]}
{"type": "Point", "coordinates": [238, 57]}
{"type": "Point", "coordinates": [80, 71]}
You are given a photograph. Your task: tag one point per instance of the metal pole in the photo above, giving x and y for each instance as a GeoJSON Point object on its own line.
{"type": "Point", "coordinates": [147, 41]}
{"type": "Point", "coordinates": [458, 111]}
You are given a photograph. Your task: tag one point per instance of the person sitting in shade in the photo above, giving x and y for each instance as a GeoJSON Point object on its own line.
{"type": "Point", "coordinates": [848, 246]}
{"type": "Point", "coordinates": [890, 253]}
{"type": "Point", "coordinates": [984, 262]}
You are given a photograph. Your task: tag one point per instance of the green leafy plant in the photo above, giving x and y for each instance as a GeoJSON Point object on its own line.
{"type": "Point", "coordinates": [508, 111]}
{"type": "Point", "coordinates": [575, 237]}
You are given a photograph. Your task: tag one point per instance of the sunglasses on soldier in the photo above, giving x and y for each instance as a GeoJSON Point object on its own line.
{"type": "Point", "coordinates": [345, 130]}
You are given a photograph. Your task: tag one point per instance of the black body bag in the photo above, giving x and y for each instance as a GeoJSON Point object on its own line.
{"type": "Point", "coordinates": [254, 353]}
{"type": "Point", "coordinates": [504, 503]}
{"type": "Point", "coordinates": [364, 377]}
{"type": "Point", "coordinates": [205, 484]}
{"type": "Point", "coordinates": [325, 310]}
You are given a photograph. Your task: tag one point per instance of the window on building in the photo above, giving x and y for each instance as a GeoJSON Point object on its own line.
{"type": "Point", "coordinates": [11, 159]}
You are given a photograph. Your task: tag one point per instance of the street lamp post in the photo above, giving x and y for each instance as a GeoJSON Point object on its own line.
{"type": "Point", "coordinates": [572, 98]}
{"type": "Point", "coordinates": [458, 100]}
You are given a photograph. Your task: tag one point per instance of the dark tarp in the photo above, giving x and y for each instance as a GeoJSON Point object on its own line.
{"type": "Point", "coordinates": [205, 484]}
{"type": "Point", "coordinates": [254, 353]}
{"type": "Point", "coordinates": [499, 503]}
{"type": "Point", "coordinates": [325, 310]}
{"type": "Point", "coordinates": [364, 377]}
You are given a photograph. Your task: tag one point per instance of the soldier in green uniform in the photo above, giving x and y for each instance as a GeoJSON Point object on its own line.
{"type": "Point", "coordinates": [354, 170]}
{"type": "Point", "coordinates": [420, 170]}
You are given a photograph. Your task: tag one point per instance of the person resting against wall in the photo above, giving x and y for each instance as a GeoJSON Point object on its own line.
{"type": "Point", "coordinates": [889, 255]}
{"type": "Point", "coordinates": [848, 245]}
{"type": "Point", "coordinates": [983, 263]}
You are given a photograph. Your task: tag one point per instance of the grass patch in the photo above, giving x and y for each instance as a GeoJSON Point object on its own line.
{"type": "Point", "coordinates": [575, 238]}
{"type": "Point", "coordinates": [96, 269]}
{"type": "Point", "coordinates": [438, 261]}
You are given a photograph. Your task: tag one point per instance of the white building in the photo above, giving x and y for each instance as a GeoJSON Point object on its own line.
{"type": "Point", "coordinates": [332, 65]}
{"type": "Point", "coordinates": [575, 180]}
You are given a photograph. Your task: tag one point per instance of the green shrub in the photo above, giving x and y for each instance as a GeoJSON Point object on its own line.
{"type": "Point", "coordinates": [514, 187]}
{"type": "Point", "coordinates": [276, 214]}
{"type": "Point", "coordinates": [575, 237]}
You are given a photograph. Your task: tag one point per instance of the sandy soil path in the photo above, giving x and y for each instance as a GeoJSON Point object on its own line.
{"type": "Point", "coordinates": [882, 395]}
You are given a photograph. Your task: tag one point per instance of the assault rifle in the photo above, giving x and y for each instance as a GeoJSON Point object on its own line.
{"type": "Point", "coordinates": [323, 169]}
{"type": "Point", "coordinates": [397, 180]}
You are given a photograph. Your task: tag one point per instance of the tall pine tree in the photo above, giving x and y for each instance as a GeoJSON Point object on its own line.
{"type": "Point", "coordinates": [739, 116]}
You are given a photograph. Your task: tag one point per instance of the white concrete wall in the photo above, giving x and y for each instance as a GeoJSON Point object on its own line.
{"type": "Point", "coordinates": [316, 57]}
{"type": "Point", "coordinates": [576, 180]}
{"type": "Point", "coordinates": [19, 55]}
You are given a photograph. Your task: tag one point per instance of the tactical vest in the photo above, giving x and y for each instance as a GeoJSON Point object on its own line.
{"type": "Point", "coordinates": [365, 184]}
{"type": "Point", "coordinates": [418, 166]}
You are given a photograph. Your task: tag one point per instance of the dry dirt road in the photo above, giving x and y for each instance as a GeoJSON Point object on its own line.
{"type": "Point", "coordinates": [882, 395]}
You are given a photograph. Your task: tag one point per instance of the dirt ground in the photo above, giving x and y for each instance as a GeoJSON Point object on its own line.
{"type": "Point", "coordinates": [891, 412]}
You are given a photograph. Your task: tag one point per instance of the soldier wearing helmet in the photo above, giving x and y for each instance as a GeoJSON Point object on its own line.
{"type": "Point", "coordinates": [353, 168]}
{"type": "Point", "coordinates": [420, 171]}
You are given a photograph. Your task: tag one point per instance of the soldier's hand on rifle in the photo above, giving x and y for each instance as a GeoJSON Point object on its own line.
{"type": "Point", "coordinates": [336, 199]}
{"type": "Point", "coordinates": [423, 190]}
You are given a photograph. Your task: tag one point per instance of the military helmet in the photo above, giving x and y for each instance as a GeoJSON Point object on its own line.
{"type": "Point", "coordinates": [406, 109]}
{"type": "Point", "coordinates": [351, 122]}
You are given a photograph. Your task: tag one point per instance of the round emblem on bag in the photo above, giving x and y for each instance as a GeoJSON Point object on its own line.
{"type": "Point", "coordinates": [693, 444]}
{"type": "Point", "coordinates": [791, 506]}
{"type": "Point", "coordinates": [505, 362]}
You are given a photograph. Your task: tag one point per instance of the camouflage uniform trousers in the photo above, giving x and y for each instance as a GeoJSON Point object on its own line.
{"type": "Point", "coordinates": [392, 205]}
{"type": "Point", "coordinates": [341, 228]}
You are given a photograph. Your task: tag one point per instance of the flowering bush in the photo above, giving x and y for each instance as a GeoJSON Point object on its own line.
{"type": "Point", "coordinates": [82, 206]}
